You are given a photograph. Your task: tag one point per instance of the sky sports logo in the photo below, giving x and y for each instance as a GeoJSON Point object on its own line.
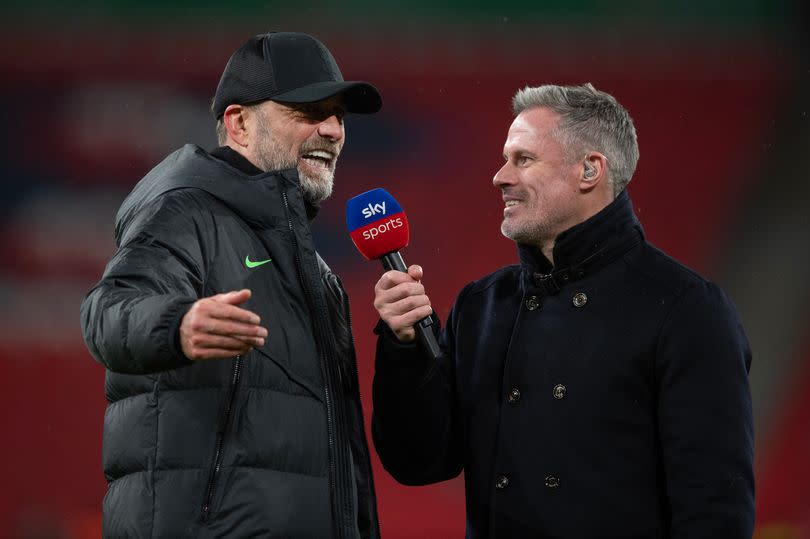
{"type": "Point", "coordinates": [373, 209]}
{"type": "Point", "coordinates": [370, 211]}
{"type": "Point", "coordinates": [375, 231]}
{"type": "Point", "coordinates": [376, 223]}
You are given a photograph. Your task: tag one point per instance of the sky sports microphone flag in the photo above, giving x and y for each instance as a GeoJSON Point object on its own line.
{"type": "Point", "coordinates": [379, 229]}
{"type": "Point", "coordinates": [377, 224]}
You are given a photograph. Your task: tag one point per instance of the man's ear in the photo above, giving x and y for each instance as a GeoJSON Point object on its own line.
{"type": "Point", "coordinates": [594, 171]}
{"type": "Point", "coordinates": [235, 125]}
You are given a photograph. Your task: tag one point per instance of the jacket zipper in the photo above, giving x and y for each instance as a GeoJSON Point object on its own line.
{"type": "Point", "coordinates": [220, 441]}
{"type": "Point", "coordinates": [355, 377]}
{"type": "Point", "coordinates": [341, 500]}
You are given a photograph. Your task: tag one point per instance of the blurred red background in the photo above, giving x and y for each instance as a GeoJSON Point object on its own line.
{"type": "Point", "coordinates": [93, 100]}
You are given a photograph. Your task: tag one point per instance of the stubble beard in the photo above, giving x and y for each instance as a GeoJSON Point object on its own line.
{"type": "Point", "coordinates": [527, 231]}
{"type": "Point", "coordinates": [271, 155]}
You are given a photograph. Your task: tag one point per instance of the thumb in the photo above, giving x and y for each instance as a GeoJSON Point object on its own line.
{"type": "Point", "coordinates": [416, 272]}
{"type": "Point", "coordinates": [234, 297]}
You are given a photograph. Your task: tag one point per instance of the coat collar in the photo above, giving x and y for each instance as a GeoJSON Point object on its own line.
{"type": "Point", "coordinates": [584, 248]}
{"type": "Point", "coordinates": [250, 196]}
{"type": "Point", "coordinates": [241, 163]}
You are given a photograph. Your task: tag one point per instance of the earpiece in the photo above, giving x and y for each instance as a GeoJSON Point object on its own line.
{"type": "Point", "coordinates": [589, 171]}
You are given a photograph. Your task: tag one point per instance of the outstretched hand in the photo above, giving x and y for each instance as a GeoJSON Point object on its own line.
{"type": "Point", "coordinates": [216, 328]}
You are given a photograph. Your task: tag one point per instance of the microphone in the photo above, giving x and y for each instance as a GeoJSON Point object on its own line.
{"type": "Point", "coordinates": [379, 229]}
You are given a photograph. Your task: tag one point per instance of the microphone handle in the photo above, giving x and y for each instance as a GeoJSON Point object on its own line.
{"type": "Point", "coordinates": [424, 328]}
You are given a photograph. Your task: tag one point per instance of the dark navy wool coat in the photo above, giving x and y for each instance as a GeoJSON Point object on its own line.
{"type": "Point", "coordinates": [606, 398]}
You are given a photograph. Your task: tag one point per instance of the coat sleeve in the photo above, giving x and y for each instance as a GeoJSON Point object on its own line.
{"type": "Point", "coordinates": [416, 426]}
{"type": "Point", "coordinates": [130, 319]}
{"type": "Point", "coordinates": [705, 417]}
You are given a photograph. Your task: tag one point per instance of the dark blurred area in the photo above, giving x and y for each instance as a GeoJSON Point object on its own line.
{"type": "Point", "coordinates": [93, 97]}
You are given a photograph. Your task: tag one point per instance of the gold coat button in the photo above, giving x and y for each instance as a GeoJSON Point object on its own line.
{"type": "Point", "coordinates": [532, 303]}
{"type": "Point", "coordinates": [580, 299]}
{"type": "Point", "coordinates": [559, 391]}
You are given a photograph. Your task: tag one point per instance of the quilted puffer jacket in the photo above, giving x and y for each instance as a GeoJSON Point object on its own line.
{"type": "Point", "coordinates": [269, 444]}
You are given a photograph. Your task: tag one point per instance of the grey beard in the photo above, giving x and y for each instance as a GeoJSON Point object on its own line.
{"type": "Point", "coordinates": [271, 156]}
{"type": "Point", "coordinates": [316, 191]}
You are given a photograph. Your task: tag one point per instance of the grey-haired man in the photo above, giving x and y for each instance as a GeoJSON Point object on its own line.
{"type": "Point", "coordinates": [231, 374]}
{"type": "Point", "coordinates": [596, 389]}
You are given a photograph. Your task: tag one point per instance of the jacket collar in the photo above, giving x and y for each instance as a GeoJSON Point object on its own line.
{"type": "Point", "coordinates": [236, 160]}
{"type": "Point", "coordinates": [250, 196]}
{"type": "Point", "coordinates": [584, 248]}
{"type": "Point", "coordinates": [241, 163]}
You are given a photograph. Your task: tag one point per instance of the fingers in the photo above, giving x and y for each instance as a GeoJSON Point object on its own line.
{"type": "Point", "coordinates": [234, 345]}
{"type": "Point", "coordinates": [221, 307]}
{"type": "Point", "coordinates": [236, 297]}
{"type": "Point", "coordinates": [407, 319]}
{"type": "Point", "coordinates": [227, 328]}
{"type": "Point", "coordinates": [406, 305]}
{"type": "Point", "coordinates": [213, 353]}
{"type": "Point", "coordinates": [397, 293]}
{"type": "Point", "coordinates": [215, 327]}
{"type": "Point", "coordinates": [393, 278]}
{"type": "Point", "coordinates": [415, 271]}
{"type": "Point", "coordinates": [224, 311]}
{"type": "Point", "coordinates": [197, 346]}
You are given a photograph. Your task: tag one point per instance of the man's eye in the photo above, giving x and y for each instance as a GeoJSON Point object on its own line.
{"type": "Point", "coordinates": [313, 112]}
{"type": "Point", "coordinates": [522, 160]}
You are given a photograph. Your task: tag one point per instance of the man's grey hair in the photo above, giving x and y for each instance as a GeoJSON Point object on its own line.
{"type": "Point", "coordinates": [222, 133]}
{"type": "Point", "coordinates": [590, 120]}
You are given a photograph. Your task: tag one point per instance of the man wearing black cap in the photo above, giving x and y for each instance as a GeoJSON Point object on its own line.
{"type": "Point", "coordinates": [231, 374]}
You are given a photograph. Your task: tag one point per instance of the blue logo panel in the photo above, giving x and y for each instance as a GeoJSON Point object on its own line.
{"type": "Point", "coordinates": [369, 207]}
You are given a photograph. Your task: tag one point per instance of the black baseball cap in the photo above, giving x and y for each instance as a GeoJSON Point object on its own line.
{"type": "Point", "coordinates": [288, 67]}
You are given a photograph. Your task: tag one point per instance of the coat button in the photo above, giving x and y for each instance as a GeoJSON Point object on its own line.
{"type": "Point", "coordinates": [552, 481]}
{"type": "Point", "coordinates": [532, 303]}
{"type": "Point", "coordinates": [501, 482]}
{"type": "Point", "coordinates": [580, 299]}
{"type": "Point", "coordinates": [513, 396]}
{"type": "Point", "coordinates": [559, 391]}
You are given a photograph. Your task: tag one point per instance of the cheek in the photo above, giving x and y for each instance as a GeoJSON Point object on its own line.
{"type": "Point", "coordinates": [309, 134]}
{"type": "Point", "coordinates": [548, 195]}
{"type": "Point", "coordinates": [538, 186]}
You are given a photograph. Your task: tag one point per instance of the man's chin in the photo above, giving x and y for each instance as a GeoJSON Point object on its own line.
{"type": "Point", "coordinates": [315, 189]}
{"type": "Point", "coordinates": [517, 234]}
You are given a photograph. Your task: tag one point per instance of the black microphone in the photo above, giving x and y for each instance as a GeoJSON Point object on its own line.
{"type": "Point", "coordinates": [379, 229]}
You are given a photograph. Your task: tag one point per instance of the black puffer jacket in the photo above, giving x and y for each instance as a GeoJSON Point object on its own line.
{"type": "Point", "coordinates": [270, 444]}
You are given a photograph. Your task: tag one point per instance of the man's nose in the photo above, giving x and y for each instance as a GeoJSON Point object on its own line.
{"type": "Point", "coordinates": [331, 128]}
{"type": "Point", "coordinates": [504, 176]}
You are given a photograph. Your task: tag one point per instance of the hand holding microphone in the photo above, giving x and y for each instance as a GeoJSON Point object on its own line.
{"type": "Point", "coordinates": [401, 301]}
{"type": "Point", "coordinates": [379, 229]}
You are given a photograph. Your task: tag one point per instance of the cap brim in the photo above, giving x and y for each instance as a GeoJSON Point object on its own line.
{"type": "Point", "coordinates": [360, 97]}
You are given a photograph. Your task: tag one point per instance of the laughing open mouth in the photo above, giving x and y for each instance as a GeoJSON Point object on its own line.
{"type": "Point", "coordinates": [319, 158]}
